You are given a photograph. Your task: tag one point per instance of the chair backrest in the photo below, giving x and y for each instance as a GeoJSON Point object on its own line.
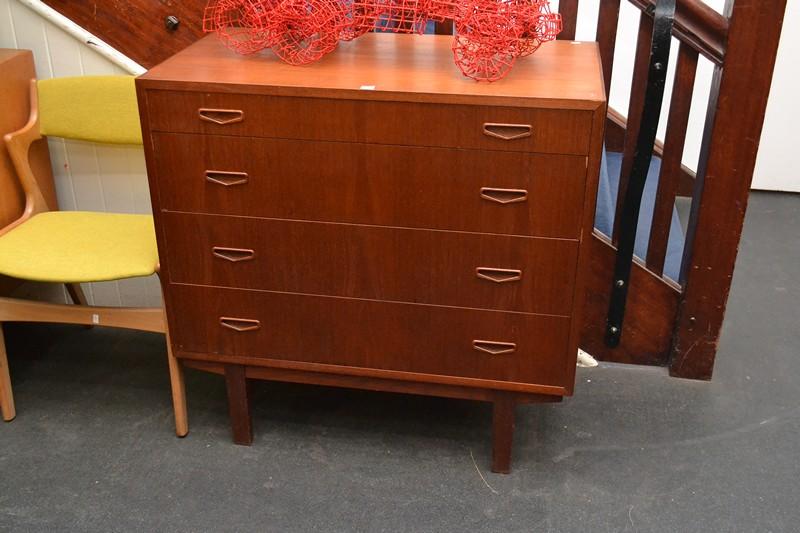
{"type": "Point", "coordinates": [90, 108]}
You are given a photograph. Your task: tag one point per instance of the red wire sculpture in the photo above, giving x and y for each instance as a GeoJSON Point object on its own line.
{"type": "Point", "coordinates": [490, 34]}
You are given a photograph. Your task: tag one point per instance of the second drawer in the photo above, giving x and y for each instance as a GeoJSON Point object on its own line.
{"type": "Point", "coordinates": [441, 188]}
{"type": "Point", "coordinates": [500, 272]}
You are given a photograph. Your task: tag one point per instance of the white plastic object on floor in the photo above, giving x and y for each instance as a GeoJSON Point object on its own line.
{"type": "Point", "coordinates": [585, 360]}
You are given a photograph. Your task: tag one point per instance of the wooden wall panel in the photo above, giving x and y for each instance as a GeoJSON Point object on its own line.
{"type": "Point", "coordinates": [87, 177]}
{"type": "Point", "coordinates": [136, 27]}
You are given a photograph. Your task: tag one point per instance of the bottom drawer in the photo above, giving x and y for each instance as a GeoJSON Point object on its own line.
{"type": "Point", "coordinates": [415, 338]}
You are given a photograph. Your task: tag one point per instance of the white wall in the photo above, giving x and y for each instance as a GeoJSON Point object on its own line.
{"type": "Point", "coordinates": [776, 168]}
{"type": "Point", "coordinates": [87, 177]}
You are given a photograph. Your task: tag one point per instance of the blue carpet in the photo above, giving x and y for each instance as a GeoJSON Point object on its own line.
{"type": "Point", "coordinates": [607, 201]}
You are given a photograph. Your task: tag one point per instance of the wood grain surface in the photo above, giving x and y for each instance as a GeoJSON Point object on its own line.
{"type": "Point", "coordinates": [368, 334]}
{"type": "Point", "coordinates": [407, 186]}
{"type": "Point", "coordinates": [378, 263]}
{"type": "Point", "coordinates": [380, 66]}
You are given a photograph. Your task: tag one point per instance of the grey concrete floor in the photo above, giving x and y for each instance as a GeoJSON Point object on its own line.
{"type": "Point", "coordinates": [92, 447]}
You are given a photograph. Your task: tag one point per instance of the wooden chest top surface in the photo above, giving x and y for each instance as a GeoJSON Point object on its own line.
{"type": "Point", "coordinates": [380, 66]}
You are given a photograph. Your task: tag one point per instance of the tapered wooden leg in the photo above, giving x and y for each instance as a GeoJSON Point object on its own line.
{"type": "Point", "coordinates": [178, 391]}
{"type": "Point", "coordinates": [6, 396]}
{"type": "Point", "coordinates": [239, 404]}
{"type": "Point", "coordinates": [502, 431]}
{"type": "Point", "coordinates": [76, 293]}
{"type": "Point", "coordinates": [78, 297]}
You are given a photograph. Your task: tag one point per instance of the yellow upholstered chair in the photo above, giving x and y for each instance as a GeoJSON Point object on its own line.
{"type": "Point", "coordinates": [73, 247]}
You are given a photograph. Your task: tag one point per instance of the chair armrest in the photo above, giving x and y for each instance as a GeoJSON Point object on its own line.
{"type": "Point", "coordinates": [18, 144]}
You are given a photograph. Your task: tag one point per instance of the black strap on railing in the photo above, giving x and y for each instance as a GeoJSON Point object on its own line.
{"type": "Point", "coordinates": [629, 217]}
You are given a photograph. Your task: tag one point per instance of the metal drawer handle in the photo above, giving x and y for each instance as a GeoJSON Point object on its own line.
{"type": "Point", "coordinates": [221, 116]}
{"type": "Point", "coordinates": [226, 179]}
{"type": "Point", "coordinates": [504, 196]}
{"type": "Point", "coordinates": [239, 324]}
{"type": "Point", "coordinates": [234, 255]}
{"type": "Point", "coordinates": [507, 132]}
{"type": "Point", "coordinates": [494, 347]}
{"type": "Point", "coordinates": [498, 275]}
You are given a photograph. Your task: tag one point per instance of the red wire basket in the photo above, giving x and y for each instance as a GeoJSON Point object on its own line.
{"type": "Point", "coordinates": [490, 34]}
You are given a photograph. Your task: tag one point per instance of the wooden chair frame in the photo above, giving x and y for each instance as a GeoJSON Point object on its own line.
{"type": "Point", "coordinates": [15, 310]}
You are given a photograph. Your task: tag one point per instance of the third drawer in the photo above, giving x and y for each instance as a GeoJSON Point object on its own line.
{"type": "Point", "coordinates": [508, 273]}
{"type": "Point", "coordinates": [441, 188]}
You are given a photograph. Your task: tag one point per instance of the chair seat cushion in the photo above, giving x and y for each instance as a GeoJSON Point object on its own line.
{"type": "Point", "coordinates": [78, 246]}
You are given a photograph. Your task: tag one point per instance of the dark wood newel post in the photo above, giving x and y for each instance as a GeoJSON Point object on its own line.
{"type": "Point", "coordinates": [569, 16]}
{"type": "Point", "coordinates": [728, 159]}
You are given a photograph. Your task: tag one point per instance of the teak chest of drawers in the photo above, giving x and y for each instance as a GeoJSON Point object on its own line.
{"type": "Point", "coordinates": [376, 220]}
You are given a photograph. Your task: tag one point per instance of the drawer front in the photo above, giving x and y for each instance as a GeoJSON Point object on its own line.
{"type": "Point", "coordinates": [367, 334]}
{"type": "Point", "coordinates": [521, 274]}
{"type": "Point", "coordinates": [558, 131]}
{"type": "Point", "coordinates": [441, 188]}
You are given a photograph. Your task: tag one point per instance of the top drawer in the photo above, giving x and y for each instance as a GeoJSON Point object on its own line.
{"type": "Point", "coordinates": [558, 131]}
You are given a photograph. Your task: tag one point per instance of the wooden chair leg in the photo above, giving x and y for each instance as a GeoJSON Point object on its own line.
{"type": "Point", "coordinates": [6, 395]}
{"type": "Point", "coordinates": [239, 404]}
{"type": "Point", "coordinates": [76, 293]}
{"type": "Point", "coordinates": [78, 297]}
{"type": "Point", "coordinates": [503, 411]}
{"type": "Point", "coordinates": [178, 392]}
